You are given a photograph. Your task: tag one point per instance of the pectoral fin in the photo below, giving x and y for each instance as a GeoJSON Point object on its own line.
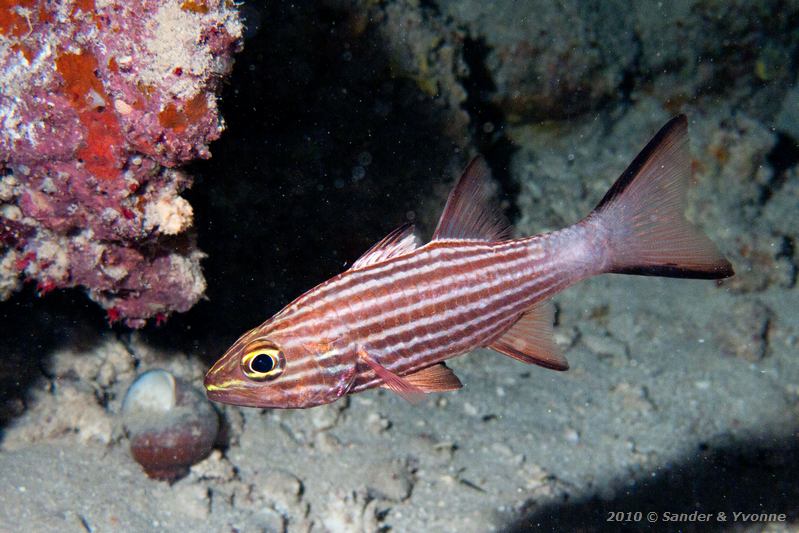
{"type": "Point", "coordinates": [530, 340]}
{"type": "Point", "coordinates": [392, 381]}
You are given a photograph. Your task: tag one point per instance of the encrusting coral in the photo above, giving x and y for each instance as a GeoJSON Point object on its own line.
{"type": "Point", "coordinates": [100, 101]}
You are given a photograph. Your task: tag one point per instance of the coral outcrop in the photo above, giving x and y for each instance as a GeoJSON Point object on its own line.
{"type": "Point", "coordinates": [100, 102]}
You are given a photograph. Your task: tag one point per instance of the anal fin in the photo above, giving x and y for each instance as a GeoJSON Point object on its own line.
{"type": "Point", "coordinates": [531, 340]}
{"type": "Point", "coordinates": [435, 378]}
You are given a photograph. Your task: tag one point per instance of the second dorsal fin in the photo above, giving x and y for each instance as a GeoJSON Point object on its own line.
{"type": "Point", "coordinates": [400, 241]}
{"type": "Point", "coordinates": [471, 213]}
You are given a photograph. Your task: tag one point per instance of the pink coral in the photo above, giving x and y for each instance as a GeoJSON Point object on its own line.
{"type": "Point", "coordinates": [100, 100]}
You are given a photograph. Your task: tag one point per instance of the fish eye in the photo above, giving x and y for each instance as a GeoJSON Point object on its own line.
{"type": "Point", "coordinates": [262, 362]}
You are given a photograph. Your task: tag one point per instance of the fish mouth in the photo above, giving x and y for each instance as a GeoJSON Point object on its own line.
{"type": "Point", "coordinates": [215, 391]}
{"type": "Point", "coordinates": [211, 388]}
{"type": "Point", "coordinates": [232, 392]}
{"type": "Point", "coordinates": [214, 395]}
{"type": "Point", "coordinates": [234, 396]}
{"type": "Point", "coordinates": [219, 389]}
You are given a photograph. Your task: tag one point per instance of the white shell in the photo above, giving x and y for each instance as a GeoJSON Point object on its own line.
{"type": "Point", "coordinates": [154, 390]}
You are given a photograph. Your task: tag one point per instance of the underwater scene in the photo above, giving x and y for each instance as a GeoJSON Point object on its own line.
{"type": "Point", "coordinates": [399, 265]}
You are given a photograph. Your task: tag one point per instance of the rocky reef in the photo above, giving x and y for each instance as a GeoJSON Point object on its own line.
{"type": "Point", "coordinates": [100, 103]}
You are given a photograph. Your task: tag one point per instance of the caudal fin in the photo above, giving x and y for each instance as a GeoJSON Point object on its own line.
{"type": "Point", "coordinates": [643, 215]}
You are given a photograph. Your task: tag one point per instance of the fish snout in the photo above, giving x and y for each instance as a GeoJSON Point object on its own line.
{"type": "Point", "coordinates": [208, 382]}
{"type": "Point", "coordinates": [223, 373]}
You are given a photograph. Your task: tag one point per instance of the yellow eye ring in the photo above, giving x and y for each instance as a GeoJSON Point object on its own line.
{"type": "Point", "coordinates": [263, 362]}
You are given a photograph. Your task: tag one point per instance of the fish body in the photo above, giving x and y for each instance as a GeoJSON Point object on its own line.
{"type": "Point", "coordinates": [401, 310]}
{"type": "Point", "coordinates": [446, 298]}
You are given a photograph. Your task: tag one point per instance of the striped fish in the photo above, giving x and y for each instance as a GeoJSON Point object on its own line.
{"type": "Point", "coordinates": [402, 309]}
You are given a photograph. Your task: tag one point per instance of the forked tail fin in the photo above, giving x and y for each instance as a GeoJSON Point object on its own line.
{"type": "Point", "coordinates": [642, 215]}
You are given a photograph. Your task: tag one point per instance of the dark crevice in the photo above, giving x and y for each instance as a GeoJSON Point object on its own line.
{"type": "Point", "coordinates": [781, 158]}
{"type": "Point", "coordinates": [33, 327]}
{"type": "Point", "coordinates": [787, 247]}
{"type": "Point", "coordinates": [430, 5]}
{"type": "Point", "coordinates": [787, 251]}
{"type": "Point", "coordinates": [488, 123]}
{"type": "Point", "coordinates": [632, 75]}
{"type": "Point", "coordinates": [626, 86]}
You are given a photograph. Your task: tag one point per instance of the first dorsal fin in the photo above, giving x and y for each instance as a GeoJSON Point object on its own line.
{"type": "Point", "coordinates": [470, 212]}
{"type": "Point", "coordinates": [530, 339]}
{"type": "Point", "coordinates": [400, 241]}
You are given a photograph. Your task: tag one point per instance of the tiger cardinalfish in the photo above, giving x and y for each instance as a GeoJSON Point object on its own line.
{"type": "Point", "coordinates": [401, 310]}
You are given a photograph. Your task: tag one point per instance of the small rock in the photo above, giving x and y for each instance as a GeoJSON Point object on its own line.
{"type": "Point", "coordinates": [374, 514]}
{"type": "Point", "coordinates": [280, 489]}
{"type": "Point", "coordinates": [215, 466]}
{"type": "Point", "coordinates": [571, 435]}
{"type": "Point", "coordinates": [565, 337]}
{"type": "Point", "coordinates": [70, 409]}
{"type": "Point", "coordinates": [267, 519]}
{"type": "Point", "coordinates": [377, 423]}
{"type": "Point", "coordinates": [606, 346]}
{"type": "Point", "coordinates": [634, 397]}
{"type": "Point", "coordinates": [535, 476]}
{"type": "Point", "coordinates": [390, 481]}
{"type": "Point", "coordinates": [502, 449]}
{"type": "Point", "coordinates": [344, 513]}
{"type": "Point", "coordinates": [108, 363]}
{"type": "Point", "coordinates": [744, 331]}
{"type": "Point", "coordinates": [191, 499]}
{"type": "Point", "coordinates": [326, 443]}
{"type": "Point", "coordinates": [326, 417]}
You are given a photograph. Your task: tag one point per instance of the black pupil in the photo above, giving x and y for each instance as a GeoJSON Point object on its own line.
{"type": "Point", "coordinates": [262, 363]}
